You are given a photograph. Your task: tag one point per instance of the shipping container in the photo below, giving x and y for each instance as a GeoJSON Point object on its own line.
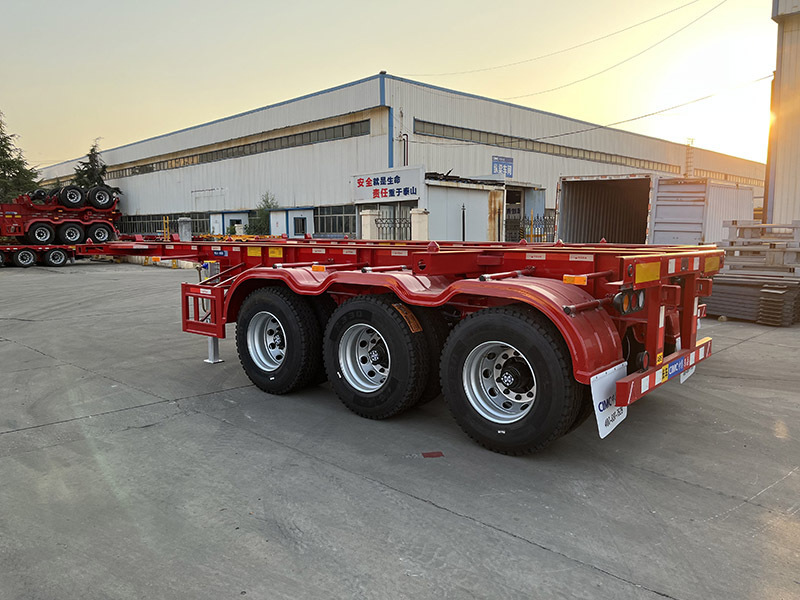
{"type": "Point", "coordinates": [610, 207]}
{"type": "Point", "coordinates": [642, 207]}
{"type": "Point", "coordinates": [691, 211]}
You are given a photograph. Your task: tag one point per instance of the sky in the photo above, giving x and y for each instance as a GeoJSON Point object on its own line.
{"type": "Point", "coordinates": [72, 72]}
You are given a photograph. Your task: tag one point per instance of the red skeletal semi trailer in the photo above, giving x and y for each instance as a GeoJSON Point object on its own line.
{"type": "Point", "coordinates": [525, 341]}
{"type": "Point", "coordinates": [46, 226]}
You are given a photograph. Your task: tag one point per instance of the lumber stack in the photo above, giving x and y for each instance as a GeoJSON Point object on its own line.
{"type": "Point", "coordinates": [761, 278]}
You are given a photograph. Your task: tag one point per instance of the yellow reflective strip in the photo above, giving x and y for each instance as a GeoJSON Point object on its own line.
{"type": "Point", "coordinates": [649, 271]}
{"type": "Point", "coordinates": [576, 279]}
{"type": "Point", "coordinates": [712, 264]}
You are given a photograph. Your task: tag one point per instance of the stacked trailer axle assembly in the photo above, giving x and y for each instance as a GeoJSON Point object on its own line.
{"type": "Point", "coordinates": [37, 222]}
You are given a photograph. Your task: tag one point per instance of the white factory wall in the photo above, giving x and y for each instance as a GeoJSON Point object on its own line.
{"type": "Point", "coordinates": [411, 100]}
{"type": "Point", "coordinates": [319, 174]}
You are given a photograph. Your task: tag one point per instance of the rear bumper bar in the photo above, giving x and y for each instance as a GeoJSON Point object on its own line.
{"type": "Point", "coordinates": [636, 385]}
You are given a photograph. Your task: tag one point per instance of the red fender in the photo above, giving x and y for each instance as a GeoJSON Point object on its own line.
{"type": "Point", "coordinates": [591, 337]}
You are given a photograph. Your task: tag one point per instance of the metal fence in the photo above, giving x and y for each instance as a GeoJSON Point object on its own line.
{"type": "Point", "coordinates": [393, 228]}
{"type": "Point", "coordinates": [538, 229]}
{"type": "Point", "coordinates": [154, 224]}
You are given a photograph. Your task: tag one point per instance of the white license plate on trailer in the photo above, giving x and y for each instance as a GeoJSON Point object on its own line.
{"type": "Point", "coordinates": [604, 396]}
{"type": "Point", "coordinates": [688, 373]}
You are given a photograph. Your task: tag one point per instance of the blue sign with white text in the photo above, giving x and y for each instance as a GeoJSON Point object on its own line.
{"type": "Point", "coordinates": [503, 165]}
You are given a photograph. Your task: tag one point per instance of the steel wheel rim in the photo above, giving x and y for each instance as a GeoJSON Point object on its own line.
{"type": "Point", "coordinates": [41, 234]}
{"type": "Point", "coordinates": [26, 257]}
{"type": "Point", "coordinates": [364, 358]}
{"type": "Point", "coordinates": [266, 341]}
{"type": "Point", "coordinates": [499, 382]}
{"type": "Point", "coordinates": [101, 235]}
{"type": "Point", "coordinates": [73, 197]}
{"type": "Point", "coordinates": [102, 198]}
{"type": "Point", "coordinates": [58, 257]}
{"type": "Point", "coordinates": [72, 234]}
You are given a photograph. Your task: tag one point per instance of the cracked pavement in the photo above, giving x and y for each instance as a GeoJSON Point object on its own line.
{"type": "Point", "coordinates": [130, 469]}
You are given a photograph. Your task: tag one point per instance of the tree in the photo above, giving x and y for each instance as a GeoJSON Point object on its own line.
{"type": "Point", "coordinates": [260, 224]}
{"type": "Point", "coordinates": [90, 172]}
{"type": "Point", "coordinates": [15, 176]}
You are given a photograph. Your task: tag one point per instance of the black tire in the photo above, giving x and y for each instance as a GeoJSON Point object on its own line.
{"type": "Point", "coordinates": [71, 233]}
{"type": "Point", "coordinates": [72, 196]}
{"type": "Point", "coordinates": [100, 233]}
{"type": "Point", "coordinates": [388, 357]}
{"type": "Point", "coordinates": [435, 330]}
{"type": "Point", "coordinates": [323, 307]}
{"type": "Point", "coordinates": [55, 257]}
{"type": "Point", "coordinates": [296, 332]}
{"type": "Point", "coordinates": [101, 197]}
{"type": "Point", "coordinates": [41, 234]}
{"type": "Point", "coordinates": [39, 194]}
{"type": "Point", "coordinates": [524, 349]}
{"type": "Point", "coordinates": [2, 259]}
{"type": "Point", "coordinates": [585, 407]}
{"type": "Point", "coordinates": [24, 258]}
{"type": "Point", "coordinates": [55, 194]}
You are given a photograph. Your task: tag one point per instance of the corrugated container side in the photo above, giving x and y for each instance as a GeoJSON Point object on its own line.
{"type": "Point", "coordinates": [725, 203]}
{"type": "Point", "coordinates": [614, 209]}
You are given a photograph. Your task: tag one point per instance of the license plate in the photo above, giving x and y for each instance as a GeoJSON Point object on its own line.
{"type": "Point", "coordinates": [604, 396]}
{"type": "Point", "coordinates": [688, 373]}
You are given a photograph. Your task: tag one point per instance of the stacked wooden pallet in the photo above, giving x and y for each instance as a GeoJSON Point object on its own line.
{"type": "Point", "coordinates": [753, 247]}
{"type": "Point", "coordinates": [761, 278]}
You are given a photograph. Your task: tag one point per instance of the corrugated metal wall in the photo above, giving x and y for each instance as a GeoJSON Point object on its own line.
{"type": "Point", "coordinates": [786, 131]}
{"type": "Point", "coordinates": [612, 209]}
{"type": "Point", "coordinates": [319, 174]}
{"type": "Point", "coordinates": [305, 176]}
{"type": "Point", "coordinates": [412, 101]}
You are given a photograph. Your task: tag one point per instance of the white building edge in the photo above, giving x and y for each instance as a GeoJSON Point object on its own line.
{"type": "Point", "coordinates": [309, 152]}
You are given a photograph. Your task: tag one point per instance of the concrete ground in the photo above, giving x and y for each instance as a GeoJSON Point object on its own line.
{"type": "Point", "coordinates": [131, 469]}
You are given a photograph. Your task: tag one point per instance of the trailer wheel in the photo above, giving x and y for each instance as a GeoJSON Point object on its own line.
{"type": "Point", "coordinates": [100, 197]}
{"type": "Point", "coordinates": [39, 194]}
{"type": "Point", "coordinates": [435, 330]}
{"type": "Point", "coordinates": [585, 407]}
{"type": "Point", "coordinates": [55, 257]}
{"type": "Point", "coordinates": [24, 258]}
{"type": "Point", "coordinates": [71, 233]}
{"type": "Point", "coordinates": [2, 259]}
{"type": "Point", "coordinates": [376, 356]}
{"type": "Point", "coordinates": [278, 340]}
{"type": "Point", "coordinates": [100, 233]}
{"type": "Point", "coordinates": [72, 196]}
{"type": "Point", "coordinates": [507, 379]}
{"type": "Point", "coordinates": [41, 233]}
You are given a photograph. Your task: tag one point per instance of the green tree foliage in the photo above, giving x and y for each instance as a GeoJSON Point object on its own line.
{"type": "Point", "coordinates": [90, 172]}
{"type": "Point", "coordinates": [15, 176]}
{"type": "Point", "coordinates": [260, 224]}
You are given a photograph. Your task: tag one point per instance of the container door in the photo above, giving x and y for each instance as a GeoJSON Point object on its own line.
{"type": "Point", "coordinates": [678, 212]}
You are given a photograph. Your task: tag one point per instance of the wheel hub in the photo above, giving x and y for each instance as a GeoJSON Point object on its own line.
{"type": "Point", "coordinates": [364, 358]}
{"type": "Point", "coordinates": [266, 341]}
{"type": "Point", "coordinates": [499, 382]}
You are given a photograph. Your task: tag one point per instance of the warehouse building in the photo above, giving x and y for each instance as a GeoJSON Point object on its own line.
{"type": "Point", "coordinates": [389, 144]}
